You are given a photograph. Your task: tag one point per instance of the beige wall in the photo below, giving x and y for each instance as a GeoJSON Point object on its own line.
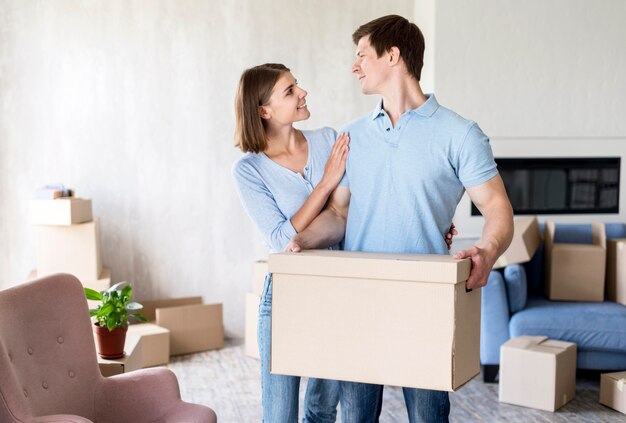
{"type": "Point", "coordinates": [131, 104]}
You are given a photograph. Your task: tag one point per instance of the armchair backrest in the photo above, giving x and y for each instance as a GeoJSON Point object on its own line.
{"type": "Point", "coordinates": [47, 355]}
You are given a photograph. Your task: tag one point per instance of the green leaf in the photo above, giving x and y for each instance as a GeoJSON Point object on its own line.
{"type": "Point", "coordinates": [93, 312]}
{"type": "Point", "coordinates": [127, 292]}
{"type": "Point", "coordinates": [110, 324]}
{"type": "Point", "coordinates": [92, 295]}
{"type": "Point", "coordinates": [106, 309]}
{"type": "Point", "coordinates": [139, 317]}
{"type": "Point", "coordinates": [116, 287]}
{"type": "Point", "coordinates": [134, 306]}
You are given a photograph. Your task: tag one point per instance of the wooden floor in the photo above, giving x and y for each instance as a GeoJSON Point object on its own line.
{"type": "Point", "coordinates": [229, 382]}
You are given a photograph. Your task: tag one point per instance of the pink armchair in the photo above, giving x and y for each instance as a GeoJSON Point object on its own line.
{"type": "Point", "coordinates": [49, 370]}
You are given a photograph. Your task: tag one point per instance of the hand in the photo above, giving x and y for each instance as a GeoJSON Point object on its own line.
{"type": "Point", "coordinates": [481, 266]}
{"type": "Point", "coordinates": [451, 232]}
{"type": "Point", "coordinates": [293, 246]}
{"type": "Point", "coordinates": [336, 164]}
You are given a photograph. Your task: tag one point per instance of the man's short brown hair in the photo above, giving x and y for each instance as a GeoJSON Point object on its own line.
{"type": "Point", "coordinates": [395, 31]}
{"type": "Point", "coordinates": [255, 89]}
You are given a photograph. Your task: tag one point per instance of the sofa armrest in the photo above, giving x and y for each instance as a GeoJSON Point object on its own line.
{"type": "Point", "coordinates": [516, 287]}
{"type": "Point", "coordinates": [494, 322]}
{"type": "Point", "coordinates": [142, 395]}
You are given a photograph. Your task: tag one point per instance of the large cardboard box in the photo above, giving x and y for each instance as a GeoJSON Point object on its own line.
{"type": "Point", "coordinates": [537, 372]}
{"type": "Point", "coordinates": [616, 270]}
{"type": "Point", "coordinates": [131, 361]}
{"type": "Point", "coordinates": [575, 272]}
{"type": "Point", "coordinates": [102, 284]}
{"type": "Point", "coordinates": [71, 249]}
{"type": "Point", "coordinates": [155, 343]}
{"type": "Point", "coordinates": [251, 346]}
{"type": "Point", "coordinates": [526, 241]}
{"type": "Point", "coordinates": [258, 277]}
{"type": "Point", "coordinates": [61, 211]}
{"type": "Point", "coordinates": [193, 326]}
{"type": "Point", "coordinates": [613, 390]}
{"type": "Point", "coordinates": [390, 319]}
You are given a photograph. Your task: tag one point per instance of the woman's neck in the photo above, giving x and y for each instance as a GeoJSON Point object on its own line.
{"type": "Point", "coordinates": [283, 140]}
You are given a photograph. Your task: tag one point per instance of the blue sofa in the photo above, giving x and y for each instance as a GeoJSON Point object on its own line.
{"type": "Point", "coordinates": [513, 304]}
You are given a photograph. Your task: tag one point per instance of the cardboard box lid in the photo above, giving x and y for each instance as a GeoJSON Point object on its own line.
{"type": "Point", "coordinates": [190, 317]}
{"type": "Point", "coordinates": [617, 377]}
{"type": "Point", "coordinates": [539, 344]}
{"type": "Point", "coordinates": [526, 241]}
{"type": "Point", "coordinates": [401, 267]}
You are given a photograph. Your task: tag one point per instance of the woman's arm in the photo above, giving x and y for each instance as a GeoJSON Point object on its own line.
{"type": "Point", "coordinates": [333, 172]}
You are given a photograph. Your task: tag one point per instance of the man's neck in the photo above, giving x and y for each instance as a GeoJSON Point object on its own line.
{"type": "Point", "coordinates": [403, 94]}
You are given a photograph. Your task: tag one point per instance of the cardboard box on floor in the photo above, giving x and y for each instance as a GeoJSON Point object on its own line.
{"type": "Point", "coordinates": [60, 211]}
{"type": "Point", "coordinates": [258, 277]}
{"type": "Point", "coordinates": [155, 343]}
{"type": "Point", "coordinates": [537, 372]}
{"type": "Point", "coordinates": [616, 270]}
{"type": "Point", "coordinates": [613, 390]}
{"type": "Point", "coordinates": [526, 241]}
{"type": "Point", "coordinates": [390, 319]}
{"type": "Point", "coordinates": [102, 284]}
{"type": "Point", "coordinates": [575, 272]}
{"type": "Point", "coordinates": [251, 346]}
{"type": "Point", "coordinates": [193, 326]}
{"type": "Point", "coordinates": [71, 249]}
{"type": "Point", "coordinates": [131, 361]}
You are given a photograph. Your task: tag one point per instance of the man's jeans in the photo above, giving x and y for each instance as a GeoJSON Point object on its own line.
{"type": "Point", "coordinates": [360, 403]}
{"type": "Point", "coordinates": [280, 393]}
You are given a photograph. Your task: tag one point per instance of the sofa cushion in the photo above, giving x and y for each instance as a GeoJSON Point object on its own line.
{"type": "Point", "coordinates": [592, 326]}
{"type": "Point", "coordinates": [516, 289]}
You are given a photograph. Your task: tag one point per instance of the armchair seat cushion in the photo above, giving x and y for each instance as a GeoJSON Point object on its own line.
{"type": "Point", "coordinates": [592, 326]}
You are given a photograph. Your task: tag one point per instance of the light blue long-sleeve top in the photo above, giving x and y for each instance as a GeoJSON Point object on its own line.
{"type": "Point", "coordinates": [271, 194]}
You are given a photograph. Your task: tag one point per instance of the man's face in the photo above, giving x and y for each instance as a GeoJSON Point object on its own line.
{"type": "Point", "coordinates": [371, 70]}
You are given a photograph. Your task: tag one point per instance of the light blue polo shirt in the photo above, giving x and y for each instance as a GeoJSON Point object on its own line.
{"type": "Point", "coordinates": [405, 182]}
{"type": "Point", "coordinates": [271, 194]}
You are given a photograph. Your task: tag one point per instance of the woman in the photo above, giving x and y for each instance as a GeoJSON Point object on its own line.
{"type": "Point", "coordinates": [284, 181]}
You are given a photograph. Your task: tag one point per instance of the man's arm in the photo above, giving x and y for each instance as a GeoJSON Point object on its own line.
{"type": "Point", "coordinates": [491, 199]}
{"type": "Point", "coordinates": [326, 229]}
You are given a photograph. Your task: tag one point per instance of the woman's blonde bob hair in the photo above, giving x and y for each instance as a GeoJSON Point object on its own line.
{"type": "Point", "coordinates": [255, 88]}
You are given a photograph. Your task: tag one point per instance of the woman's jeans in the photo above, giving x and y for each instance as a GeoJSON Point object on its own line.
{"type": "Point", "coordinates": [281, 393]}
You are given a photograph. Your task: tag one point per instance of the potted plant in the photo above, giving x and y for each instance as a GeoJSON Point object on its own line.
{"type": "Point", "coordinates": [112, 316]}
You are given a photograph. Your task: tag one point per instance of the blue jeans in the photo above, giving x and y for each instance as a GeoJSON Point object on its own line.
{"type": "Point", "coordinates": [360, 403]}
{"type": "Point", "coordinates": [281, 393]}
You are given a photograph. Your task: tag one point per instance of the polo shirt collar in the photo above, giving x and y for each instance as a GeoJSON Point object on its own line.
{"type": "Point", "coordinates": [427, 109]}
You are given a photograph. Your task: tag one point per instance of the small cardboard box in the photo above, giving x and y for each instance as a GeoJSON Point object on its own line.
{"type": "Point", "coordinates": [61, 211]}
{"type": "Point", "coordinates": [193, 326]}
{"type": "Point", "coordinates": [616, 270]}
{"type": "Point", "coordinates": [258, 277]}
{"type": "Point", "coordinates": [526, 241]}
{"type": "Point", "coordinates": [613, 390]}
{"type": "Point", "coordinates": [131, 361]}
{"type": "Point", "coordinates": [155, 343]}
{"type": "Point", "coordinates": [575, 272]}
{"type": "Point", "coordinates": [537, 372]}
{"type": "Point", "coordinates": [389, 319]}
{"type": "Point", "coordinates": [251, 347]}
{"type": "Point", "coordinates": [71, 249]}
{"type": "Point", "coordinates": [102, 284]}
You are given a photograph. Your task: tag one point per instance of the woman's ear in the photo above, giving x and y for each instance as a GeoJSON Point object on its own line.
{"type": "Point", "coordinates": [264, 112]}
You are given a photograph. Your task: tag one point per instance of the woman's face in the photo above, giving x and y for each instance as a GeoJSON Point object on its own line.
{"type": "Point", "coordinates": [287, 103]}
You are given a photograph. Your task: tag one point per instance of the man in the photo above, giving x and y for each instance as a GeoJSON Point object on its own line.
{"type": "Point", "coordinates": [410, 162]}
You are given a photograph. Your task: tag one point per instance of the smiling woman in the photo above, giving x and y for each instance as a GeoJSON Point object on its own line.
{"type": "Point", "coordinates": [284, 181]}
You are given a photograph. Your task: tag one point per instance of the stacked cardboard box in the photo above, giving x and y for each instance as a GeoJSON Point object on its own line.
{"type": "Point", "coordinates": [575, 272]}
{"type": "Point", "coordinates": [526, 241]}
{"type": "Point", "coordinates": [537, 372]}
{"type": "Point", "coordinates": [68, 241]}
{"type": "Point", "coordinates": [253, 299]}
{"type": "Point", "coordinates": [390, 319]}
